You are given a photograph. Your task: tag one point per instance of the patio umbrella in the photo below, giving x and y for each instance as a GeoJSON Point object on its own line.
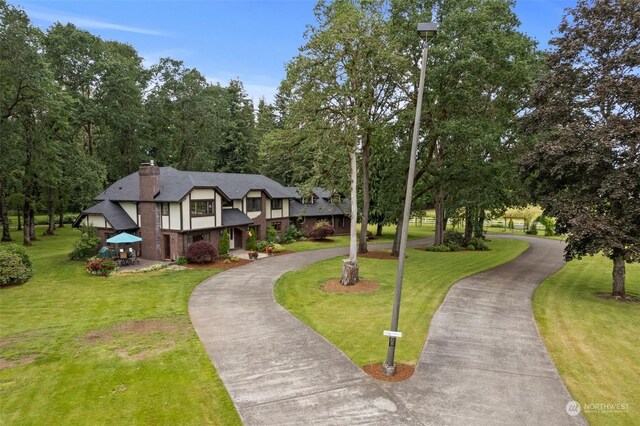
{"type": "Point", "coordinates": [124, 238]}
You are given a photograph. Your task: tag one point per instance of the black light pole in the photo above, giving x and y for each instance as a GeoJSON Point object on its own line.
{"type": "Point", "coordinates": [425, 31]}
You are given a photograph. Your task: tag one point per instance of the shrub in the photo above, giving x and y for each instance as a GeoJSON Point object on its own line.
{"type": "Point", "coordinates": [201, 252]}
{"type": "Point", "coordinates": [471, 247]}
{"type": "Point", "coordinates": [321, 231]}
{"type": "Point", "coordinates": [272, 235]}
{"type": "Point", "coordinates": [478, 244]}
{"type": "Point", "coordinates": [277, 248]}
{"type": "Point", "coordinates": [87, 246]}
{"type": "Point", "coordinates": [453, 237]}
{"type": "Point", "coordinates": [101, 267]}
{"type": "Point", "coordinates": [231, 259]}
{"type": "Point", "coordinates": [439, 248]}
{"type": "Point", "coordinates": [291, 234]}
{"type": "Point", "coordinates": [453, 246]}
{"type": "Point", "coordinates": [261, 245]}
{"type": "Point", "coordinates": [533, 228]}
{"type": "Point", "coordinates": [223, 245]}
{"type": "Point", "coordinates": [181, 260]}
{"type": "Point", "coordinates": [15, 265]}
{"type": "Point", "coordinates": [251, 240]}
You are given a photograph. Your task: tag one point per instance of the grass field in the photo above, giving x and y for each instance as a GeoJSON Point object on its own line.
{"type": "Point", "coordinates": [594, 343]}
{"type": "Point", "coordinates": [388, 232]}
{"type": "Point", "coordinates": [354, 322]}
{"type": "Point", "coordinates": [77, 349]}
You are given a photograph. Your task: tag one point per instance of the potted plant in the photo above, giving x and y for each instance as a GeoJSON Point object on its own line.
{"type": "Point", "coordinates": [269, 250]}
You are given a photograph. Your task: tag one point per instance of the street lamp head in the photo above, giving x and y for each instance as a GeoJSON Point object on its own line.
{"type": "Point", "coordinates": [427, 30]}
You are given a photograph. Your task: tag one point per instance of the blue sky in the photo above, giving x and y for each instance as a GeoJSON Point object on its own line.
{"type": "Point", "coordinates": [247, 39]}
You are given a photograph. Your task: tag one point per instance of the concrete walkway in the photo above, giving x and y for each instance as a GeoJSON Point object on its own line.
{"type": "Point", "coordinates": [483, 362]}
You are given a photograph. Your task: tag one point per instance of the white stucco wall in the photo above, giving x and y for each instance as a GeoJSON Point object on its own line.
{"type": "Point", "coordinates": [131, 209]}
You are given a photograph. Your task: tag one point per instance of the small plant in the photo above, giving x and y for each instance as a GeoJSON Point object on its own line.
{"type": "Point", "coordinates": [272, 235]}
{"type": "Point", "coordinates": [477, 244]}
{"type": "Point", "coordinates": [101, 267]}
{"type": "Point", "coordinates": [321, 231]}
{"type": "Point", "coordinates": [453, 237]}
{"type": "Point", "coordinates": [277, 248]}
{"type": "Point", "coordinates": [181, 260]}
{"type": "Point", "coordinates": [291, 234]}
{"type": "Point", "coordinates": [201, 252]}
{"type": "Point", "coordinates": [87, 246]}
{"type": "Point", "coordinates": [533, 228]}
{"type": "Point", "coordinates": [223, 245]}
{"type": "Point", "coordinates": [471, 247]}
{"type": "Point", "coordinates": [15, 265]}
{"type": "Point", "coordinates": [262, 245]}
{"type": "Point", "coordinates": [251, 240]}
{"type": "Point", "coordinates": [438, 248]}
{"type": "Point", "coordinates": [231, 259]}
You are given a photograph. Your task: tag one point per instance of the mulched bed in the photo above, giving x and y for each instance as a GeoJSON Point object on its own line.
{"type": "Point", "coordinates": [378, 255]}
{"type": "Point", "coordinates": [363, 286]}
{"type": "Point", "coordinates": [218, 264]}
{"type": "Point", "coordinates": [629, 298]}
{"type": "Point", "coordinates": [403, 372]}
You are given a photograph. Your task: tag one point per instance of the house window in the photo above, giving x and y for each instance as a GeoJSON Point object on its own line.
{"type": "Point", "coordinates": [254, 204]}
{"type": "Point", "coordinates": [165, 209]}
{"type": "Point", "coordinates": [277, 226]}
{"type": "Point", "coordinates": [342, 222]}
{"type": "Point", "coordinates": [276, 204]}
{"type": "Point", "coordinates": [203, 208]}
{"type": "Point", "coordinates": [192, 238]}
{"type": "Point", "coordinates": [308, 200]}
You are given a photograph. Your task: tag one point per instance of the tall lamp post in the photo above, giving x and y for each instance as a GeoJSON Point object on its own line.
{"type": "Point", "coordinates": [426, 31]}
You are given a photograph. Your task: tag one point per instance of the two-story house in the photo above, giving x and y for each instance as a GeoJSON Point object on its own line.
{"type": "Point", "coordinates": [170, 209]}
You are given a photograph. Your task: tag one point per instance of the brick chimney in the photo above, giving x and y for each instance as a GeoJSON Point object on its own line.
{"type": "Point", "coordinates": [150, 220]}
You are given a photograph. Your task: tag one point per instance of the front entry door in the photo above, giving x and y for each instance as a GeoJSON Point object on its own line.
{"type": "Point", "coordinates": [167, 246]}
{"type": "Point", "coordinates": [231, 239]}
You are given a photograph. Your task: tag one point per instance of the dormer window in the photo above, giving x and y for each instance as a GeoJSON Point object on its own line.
{"type": "Point", "coordinates": [308, 200]}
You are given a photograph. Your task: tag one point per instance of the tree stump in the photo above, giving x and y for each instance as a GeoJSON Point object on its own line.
{"type": "Point", "coordinates": [350, 273]}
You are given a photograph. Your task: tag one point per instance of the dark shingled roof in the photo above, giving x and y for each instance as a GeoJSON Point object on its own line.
{"type": "Point", "coordinates": [234, 217]}
{"type": "Point", "coordinates": [176, 184]}
{"type": "Point", "coordinates": [115, 215]}
{"type": "Point", "coordinates": [319, 207]}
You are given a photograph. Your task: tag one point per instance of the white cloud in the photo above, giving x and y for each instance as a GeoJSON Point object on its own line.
{"type": "Point", "coordinates": [88, 23]}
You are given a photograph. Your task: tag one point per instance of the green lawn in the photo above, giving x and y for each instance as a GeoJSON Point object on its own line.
{"type": "Point", "coordinates": [594, 343]}
{"type": "Point", "coordinates": [388, 232]}
{"type": "Point", "coordinates": [354, 322]}
{"type": "Point", "coordinates": [97, 350]}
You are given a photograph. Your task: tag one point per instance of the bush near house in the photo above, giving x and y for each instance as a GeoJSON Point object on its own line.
{"type": "Point", "coordinates": [15, 265]}
{"type": "Point", "coordinates": [223, 246]}
{"type": "Point", "coordinates": [87, 246]}
{"type": "Point", "coordinates": [321, 231]}
{"type": "Point", "coordinates": [272, 235]}
{"type": "Point", "coordinates": [202, 252]}
{"type": "Point", "coordinates": [291, 234]}
{"type": "Point", "coordinates": [101, 267]}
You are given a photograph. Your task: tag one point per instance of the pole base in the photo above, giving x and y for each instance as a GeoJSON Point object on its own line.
{"type": "Point", "coordinates": [388, 370]}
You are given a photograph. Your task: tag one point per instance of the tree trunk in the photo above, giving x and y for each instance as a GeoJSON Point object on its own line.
{"type": "Point", "coordinates": [353, 242]}
{"type": "Point", "coordinates": [441, 223]}
{"type": "Point", "coordinates": [478, 227]}
{"type": "Point", "coordinates": [364, 220]}
{"type": "Point", "coordinates": [350, 273]}
{"type": "Point", "coordinates": [6, 232]}
{"type": "Point", "coordinates": [379, 230]}
{"type": "Point", "coordinates": [32, 224]}
{"type": "Point", "coordinates": [619, 273]}
{"type": "Point", "coordinates": [61, 216]}
{"type": "Point", "coordinates": [51, 211]}
{"type": "Point", "coordinates": [26, 231]}
{"type": "Point", "coordinates": [468, 224]}
{"type": "Point", "coordinates": [395, 249]}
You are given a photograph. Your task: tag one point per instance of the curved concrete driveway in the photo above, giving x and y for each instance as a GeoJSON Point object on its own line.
{"type": "Point", "coordinates": [483, 363]}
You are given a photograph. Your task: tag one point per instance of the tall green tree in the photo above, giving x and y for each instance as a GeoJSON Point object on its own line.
{"type": "Point", "coordinates": [585, 170]}
{"type": "Point", "coordinates": [481, 73]}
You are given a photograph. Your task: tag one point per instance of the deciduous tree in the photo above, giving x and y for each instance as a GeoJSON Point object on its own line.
{"type": "Point", "coordinates": [585, 170]}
